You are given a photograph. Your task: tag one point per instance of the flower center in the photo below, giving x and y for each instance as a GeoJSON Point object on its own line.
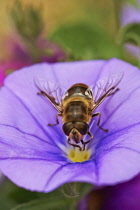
{"type": "Point", "coordinates": [78, 156]}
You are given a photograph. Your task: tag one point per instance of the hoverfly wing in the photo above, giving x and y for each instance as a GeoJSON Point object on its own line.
{"type": "Point", "coordinates": [52, 91]}
{"type": "Point", "coordinates": [105, 87]}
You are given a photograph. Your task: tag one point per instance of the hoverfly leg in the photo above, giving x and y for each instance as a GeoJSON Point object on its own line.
{"type": "Point", "coordinates": [84, 143]}
{"type": "Point", "coordinates": [57, 121]}
{"type": "Point", "coordinates": [41, 93]}
{"type": "Point", "coordinates": [90, 135]}
{"type": "Point", "coordinates": [98, 123]}
{"type": "Point", "coordinates": [74, 145]}
{"type": "Point", "coordinates": [114, 92]}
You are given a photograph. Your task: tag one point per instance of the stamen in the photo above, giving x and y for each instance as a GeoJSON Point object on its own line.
{"type": "Point", "coordinates": [78, 156]}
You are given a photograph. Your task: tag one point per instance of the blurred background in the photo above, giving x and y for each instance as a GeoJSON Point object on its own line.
{"type": "Point", "coordinates": [76, 29]}
{"type": "Point", "coordinates": [55, 31]}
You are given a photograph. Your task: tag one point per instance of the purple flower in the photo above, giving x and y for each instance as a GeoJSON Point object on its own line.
{"type": "Point", "coordinates": [37, 157]}
{"type": "Point", "coordinates": [7, 67]}
{"type": "Point", "coordinates": [120, 196]}
{"type": "Point", "coordinates": [41, 51]}
{"type": "Point", "coordinates": [2, 75]}
{"type": "Point", "coordinates": [131, 14]}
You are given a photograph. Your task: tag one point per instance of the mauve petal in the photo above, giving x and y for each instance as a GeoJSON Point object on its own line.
{"type": "Point", "coordinates": [81, 172]}
{"type": "Point", "coordinates": [46, 176]}
{"type": "Point", "coordinates": [130, 14]}
{"type": "Point", "coordinates": [25, 136]}
{"type": "Point", "coordinates": [128, 95]}
{"type": "Point", "coordinates": [119, 160]}
{"type": "Point", "coordinates": [117, 153]}
{"type": "Point", "coordinates": [124, 102]}
{"type": "Point", "coordinates": [30, 174]}
{"type": "Point", "coordinates": [59, 73]}
{"type": "Point", "coordinates": [126, 193]}
{"type": "Point", "coordinates": [22, 136]}
{"type": "Point", "coordinates": [133, 49]}
{"type": "Point", "coordinates": [121, 196]}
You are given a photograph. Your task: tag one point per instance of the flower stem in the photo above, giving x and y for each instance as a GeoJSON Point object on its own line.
{"type": "Point", "coordinates": [70, 190]}
{"type": "Point", "coordinates": [117, 5]}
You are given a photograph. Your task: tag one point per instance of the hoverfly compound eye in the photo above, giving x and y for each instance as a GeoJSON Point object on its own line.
{"type": "Point", "coordinates": [67, 127]}
{"type": "Point", "coordinates": [82, 127]}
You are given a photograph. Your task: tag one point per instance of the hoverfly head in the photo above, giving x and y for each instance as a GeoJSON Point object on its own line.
{"type": "Point", "coordinates": [75, 130]}
{"type": "Point", "coordinates": [75, 135]}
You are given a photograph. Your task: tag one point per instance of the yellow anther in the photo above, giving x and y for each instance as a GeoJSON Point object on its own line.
{"type": "Point", "coordinates": [78, 156]}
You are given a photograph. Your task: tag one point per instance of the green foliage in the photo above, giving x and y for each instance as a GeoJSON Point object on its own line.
{"type": "Point", "coordinates": [85, 41]}
{"type": "Point", "coordinates": [6, 202]}
{"type": "Point", "coordinates": [130, 34]}
{"type": "Point", "coordinates": [28, 22]}
{"type": "Point", "coordinates": [48, 203]}
{"type": "Point", "coordinates": [65, 197]}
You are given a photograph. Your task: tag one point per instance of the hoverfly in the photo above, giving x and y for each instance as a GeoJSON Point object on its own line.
{"type": "Point", "coordinates": [77, 106]}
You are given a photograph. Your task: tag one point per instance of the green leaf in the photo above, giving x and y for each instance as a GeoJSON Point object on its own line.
{"type": "Point", "coordinates": [66, 197]}
{"type": "Point", "coordinates": [48, 203]}
{"type": "Point", "coordinates": [6, 202]}
{"type": "Point", "coordinates": [12, 195]}
{"type": "Point", "coordinates": [130, 34]}
{"type": "Point", "coordinates": [21, 195]}
{"type": "Point", "coordinates": [28, 22]}
{"type": "Point", "coordinates": [85, 41]}
{"type": "Point", "coordinates": [44, 204]}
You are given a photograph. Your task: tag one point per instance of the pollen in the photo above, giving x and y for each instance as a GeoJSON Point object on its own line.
{"type": "Point", "coordinates": [78, 156]}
